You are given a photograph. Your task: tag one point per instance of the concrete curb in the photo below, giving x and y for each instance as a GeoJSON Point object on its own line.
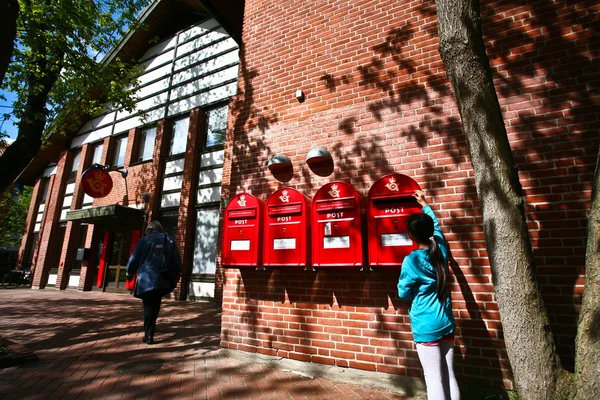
{"type": "Point", "coordinates": [405, 385]}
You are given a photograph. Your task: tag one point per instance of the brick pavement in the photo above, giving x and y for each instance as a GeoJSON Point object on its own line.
{"type": "Point", "coordinates": [82, 338]}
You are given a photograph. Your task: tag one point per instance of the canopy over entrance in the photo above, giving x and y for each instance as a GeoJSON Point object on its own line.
{"type": "Point", "coordinates": [113, 217]}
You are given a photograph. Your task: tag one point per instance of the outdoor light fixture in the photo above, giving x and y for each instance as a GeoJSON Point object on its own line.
{"type": "Point", "coordinates": [320, 161]}
{"type": "Point", "coordinates": [279, 161]}
{"type": "Point", "coordinates": [317, 155]}
{"type": "Point", "coordinates": [300, 95]}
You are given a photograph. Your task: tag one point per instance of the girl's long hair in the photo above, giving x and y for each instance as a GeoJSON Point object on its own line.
{"type": "Point", "coordinates": [421, 227]}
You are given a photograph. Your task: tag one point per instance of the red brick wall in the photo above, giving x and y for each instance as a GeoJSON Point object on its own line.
{"type": "Point", "coordinates": [378, 99]}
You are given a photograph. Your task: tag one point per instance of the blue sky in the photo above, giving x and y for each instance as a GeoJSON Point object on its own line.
{"type": "Point", "coordinates": [6, 108]}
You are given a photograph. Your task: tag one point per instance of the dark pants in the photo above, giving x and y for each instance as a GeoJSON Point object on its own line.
{"type": "Point", "coordinates": [151, 301]}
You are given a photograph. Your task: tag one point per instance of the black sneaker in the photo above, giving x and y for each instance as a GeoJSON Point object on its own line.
{"type": "Point", "coordinates": [148, 340]}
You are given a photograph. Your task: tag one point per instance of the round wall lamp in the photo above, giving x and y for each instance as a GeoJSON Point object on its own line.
{"type": "Point", "coordinates": [320, 161]}
{"type": "Point", "coordinates": [279, 161]}
{"type": "Point", "coordinates": [281, 167]}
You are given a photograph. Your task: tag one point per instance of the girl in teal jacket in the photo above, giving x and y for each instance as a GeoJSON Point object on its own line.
{"type": "Point", "coordinates": [423, 280]}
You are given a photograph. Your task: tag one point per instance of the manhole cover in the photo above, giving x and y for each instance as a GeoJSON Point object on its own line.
{"type": "Point", "coordinates": [139, 367]}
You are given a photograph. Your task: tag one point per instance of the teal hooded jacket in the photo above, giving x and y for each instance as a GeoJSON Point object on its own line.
{"type": "Point", "coordinates": [430, 319]}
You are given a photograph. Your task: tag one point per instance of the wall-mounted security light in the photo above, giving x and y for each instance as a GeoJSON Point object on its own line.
{"type": "Point", "coordinates": [281, 168]}
{"type": "Point", "coordinates": [300, 95]}
{"type": "Point", "coordinates": [279, 161]}
{"type": "Point", "coordinates": [320, 161]}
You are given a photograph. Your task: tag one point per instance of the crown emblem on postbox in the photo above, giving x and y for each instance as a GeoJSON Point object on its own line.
{"type": "Point", "coordinates": [242, 201]}
{"type": "Point", "coordinates": [284, 197]}
{"type": "Point", "coordinates": [392, 185]}
{"type": "Point", "coordinates": [334, 192]}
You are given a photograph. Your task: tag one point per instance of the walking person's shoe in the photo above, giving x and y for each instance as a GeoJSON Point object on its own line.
{"type": "Point", "coordinates": [148, 340]}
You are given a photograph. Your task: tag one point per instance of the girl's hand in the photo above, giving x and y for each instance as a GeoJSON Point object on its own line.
{"type": "Point", "coordinates": [420, 196]}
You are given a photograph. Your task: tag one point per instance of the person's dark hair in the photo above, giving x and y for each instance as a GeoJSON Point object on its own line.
{"type": "Point", "coordinates": [421, 227]}
{"type": "Point", "coordinates": [154, 225]}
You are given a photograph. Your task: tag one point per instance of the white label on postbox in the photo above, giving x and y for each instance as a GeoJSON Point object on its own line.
{"type": "Point", "coordinates": [240, 245]}
{"type": "Point", "coordinates": [395, 239]}
{"type": "Point", "coordinates": [336, 242]}
{"type": "Point", "coordinates": [284, 244]}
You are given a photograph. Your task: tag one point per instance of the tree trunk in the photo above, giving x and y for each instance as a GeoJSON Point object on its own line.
{"type": "Point", "coordinates": [19, 154]}
{"type": "Point", "coordinates": [9, 11]}
{"type": "Point", "coordinates": [587, 357]}
{"type": "Point", "coordinates": [530, 346]}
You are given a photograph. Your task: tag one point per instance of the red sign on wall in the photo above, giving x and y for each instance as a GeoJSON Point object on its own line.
{"type": "Point", "coordinates": [96, 182]}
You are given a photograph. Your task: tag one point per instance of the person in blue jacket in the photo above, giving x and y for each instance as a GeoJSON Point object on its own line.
{"type": "Point", "coordinates": [147, 260]}
{"type": "Point", "coordinates": [423, 280]}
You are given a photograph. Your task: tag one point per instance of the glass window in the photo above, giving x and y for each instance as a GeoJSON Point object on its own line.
{"type": "Point", "coordinates": [45, 187]}
{"type": "Point", "coordinates": [97, 158]}
{"type": "Point", "coordinates": [75, 164]}
{"type": "Point", "coordinates": [179, 138]}
{"type": "Point", "coordinates": [216, 126]}
{"type": "Point", "coordinates": [147, 144]}
{"type": "Point", "coordinates": [169, 222]}
{"type": "Point", "coordinates": [120, 148]}
{"type": "Point", "coordinates": [205, 247]}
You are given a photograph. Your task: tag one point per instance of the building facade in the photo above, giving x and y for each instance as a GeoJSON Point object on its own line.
{"type": "Point", "coordinates": [166, 165]}
{"type": "Point", "coordinates": [375, 95]}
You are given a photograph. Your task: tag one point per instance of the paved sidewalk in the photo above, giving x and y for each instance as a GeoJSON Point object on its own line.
{"type": "Point", "coordinates": [82, 339]}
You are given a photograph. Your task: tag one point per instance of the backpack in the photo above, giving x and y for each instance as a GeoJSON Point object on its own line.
{"type": "Point", "coordinates": [168, 270]}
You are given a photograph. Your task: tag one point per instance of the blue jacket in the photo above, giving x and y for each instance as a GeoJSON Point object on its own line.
{"type": "Point", "coordinates": [147, 259]}
{"type": "Point", "coordinates": [430, 319]}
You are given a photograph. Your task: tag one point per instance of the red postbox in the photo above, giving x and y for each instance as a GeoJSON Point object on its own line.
{"type": "Point", "coordinates": [243, 233]}
{"type": "Point", "coordinates": [287, 229]}
{"type": "Point", "coordinates": [390, 204]}
{"type": "Point", "coordinates": [336, 222]}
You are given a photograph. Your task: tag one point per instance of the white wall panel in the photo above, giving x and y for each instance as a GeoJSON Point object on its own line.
{"type": "Point", "coordinates": [92, 136]}
{"type": "Point", "coordinates": [67, 201]}
{"type": "Point", "coordinates": [172, 182]}
{"type": "Point", "coordinates": [218, 94]}
{"type": "Point", "coordinates": [156, 87]}
{"type": "Point", "coordinates": [202, 41]}
{"type": "Point", "coordinates": [159, 60]}
{"type": "Point", "coordinates": [42, 207]}
{"type": "Point", "coordinates": [38, 217]}
{"type": "Point", "coordinates": [197, 30]}
{"type": "Point", "coordinates": [174, 166]}
{"type": "Point", "coordinates": [37, 227]}
{"type": "Point", "coordinates": [73, 281]}
{"type": "Point", "coordinates": [134, 122]}
{"type": "Point", "coordinates": [203, 83]}
{"type": "Point", "coordinates": [52, 279]}
{"type": "Point", "coordinates": [208, 52]}
{"type": "Point", "coordinates": [213, 158]}
{"type": "Point", "coordinates": [210, 176]}
{"type": "Point", "coordinates": [63, 214]}
{"type": "Point", "coordinates": [157, 73]}
{"type": "Point", "coordinates": [170, 200]}
{"type": "Point", "coordinates": [159, 48]}
{"type": "Point", "coordinates": [50, 171]}
{"type": "Point", "coordinates": [98, 121]}
{"type": "Point", "coordinates": [201, 289]}
{"type": "Point", "coordinates": [87, 199]}
{"type": "Point", "coordinates": [70, 188]}
{"type": "Point", "coordinates": [145, 105]}
{"type": "Point", "coordinates": [208, 195]}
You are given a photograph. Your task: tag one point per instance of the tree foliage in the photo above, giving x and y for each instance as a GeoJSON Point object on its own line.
{"type": "Point", "coordinates": [13, 214]}
{"type": "Point", "coordinates": [57, 70]}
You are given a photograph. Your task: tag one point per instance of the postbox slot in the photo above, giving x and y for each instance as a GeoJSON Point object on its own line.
{"type": "Point", "coordinates": [288, 209]}
{"type": "Point", "coordinates": [324, 206]}
{"type": "Point", "coordinates": [399, 198]}
{"type": "Point", "coordinates": [243, 213]}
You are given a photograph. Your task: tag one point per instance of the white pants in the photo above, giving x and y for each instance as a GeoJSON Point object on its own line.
{"type": "Point", "coordinates": [437, 362]}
